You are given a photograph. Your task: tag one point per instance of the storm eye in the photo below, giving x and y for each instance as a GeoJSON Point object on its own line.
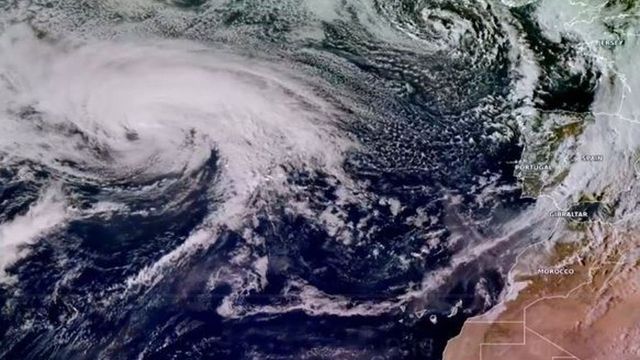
{"type": "Point", "coordinates": [186, 3]}
{"type": "Point", "coordinates": [131, 135]}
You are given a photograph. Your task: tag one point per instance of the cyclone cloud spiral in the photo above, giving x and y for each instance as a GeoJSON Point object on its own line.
{"type": "Point", "coordinates": [268, 179]}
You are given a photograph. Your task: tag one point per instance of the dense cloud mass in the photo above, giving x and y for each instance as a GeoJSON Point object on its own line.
{"type": "Point", "coordinates": [267, 179]}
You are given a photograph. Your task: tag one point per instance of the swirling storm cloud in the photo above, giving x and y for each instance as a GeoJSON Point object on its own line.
{"type": "Point", "coordinates": [265, 180]}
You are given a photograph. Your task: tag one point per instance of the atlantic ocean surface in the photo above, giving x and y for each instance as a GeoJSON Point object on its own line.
{"type": "Point", "coordinates": [291, 179]}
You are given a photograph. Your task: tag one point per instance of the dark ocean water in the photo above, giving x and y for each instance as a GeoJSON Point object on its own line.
{"type": "Point", "coordinates": [437, 131]}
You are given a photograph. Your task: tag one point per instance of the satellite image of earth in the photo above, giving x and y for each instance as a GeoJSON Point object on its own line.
{"type": "Point", "coordinates": [320, 179]}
